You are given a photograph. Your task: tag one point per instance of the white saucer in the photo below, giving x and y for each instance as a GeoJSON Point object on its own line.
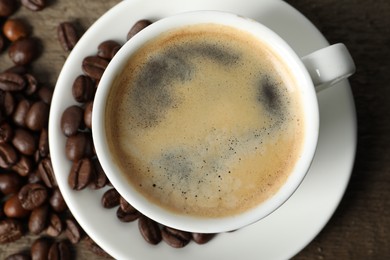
{"type": "Point", "coordinates": [279, 236]}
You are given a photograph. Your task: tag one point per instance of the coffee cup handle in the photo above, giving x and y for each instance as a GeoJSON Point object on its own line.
{"type": "Point", "coordinates": [329, 65]}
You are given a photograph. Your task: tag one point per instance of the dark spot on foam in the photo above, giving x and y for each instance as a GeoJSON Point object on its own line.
{"type": "Point", "coordinates": [152, 95]}
{"type": "Point", "coordinates": [162, 70]}
{"type": "Point", "coordinates": [273, 100]}
{"type": "Point", "coordinates": [221, 55]}
{"type": "Point", "coordinates": [177, 165]}
{"type": "Point", "coordinates": [269, 95]}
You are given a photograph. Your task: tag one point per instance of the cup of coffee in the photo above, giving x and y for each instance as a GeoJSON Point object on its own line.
{"type": "Point", "coordinates": [208, 121]}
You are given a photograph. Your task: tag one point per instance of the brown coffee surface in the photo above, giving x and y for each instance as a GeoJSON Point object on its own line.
{"type": "Point", "coordinates": [205, 121]}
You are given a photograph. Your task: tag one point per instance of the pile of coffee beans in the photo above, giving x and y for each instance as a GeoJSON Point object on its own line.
{"type": "Point", "coordinates": [23, 48]}
{"type": "Point", "coordinates": [86, 171]}
{"type": "Point", "coordinates": [30, 201]}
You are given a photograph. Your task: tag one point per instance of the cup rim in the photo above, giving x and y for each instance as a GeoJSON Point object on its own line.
{"type": "Point", "coordinates": [200, 224]}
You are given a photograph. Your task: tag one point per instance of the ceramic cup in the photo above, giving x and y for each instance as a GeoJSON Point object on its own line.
{"type": "Point", "coordinates": [313, 72]}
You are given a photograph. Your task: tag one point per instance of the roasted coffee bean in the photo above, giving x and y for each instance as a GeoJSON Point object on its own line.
{"type": "Point", "coordinates": [21, 111]}
{"type": "Point", "coordinates": [8, 155]}
{"type": "Point", "coordinates": [202, 238]}
{"type": "Point", "coordinates": [110, 198]}
{"type": "Point", "coordinates": [46, 172]}
{"type": "Point", "coordinates": [55, 226]}
{"type": "Point", "coordinates": [80, 174]}
{"type": "Point", "coordinates": [37, 156]}
{"type": "Point", "coordinates": [45, 93]}
{"type": "Point", "coordinates": [126, 212]}
{"type": "Point", "coordinates": [34, 5]}
{"type": "Point", "coordinates": [99, 178]}
{"type": "Point", "coordinates": [79, 146]}
{"type": "Point", "coordinates": [57, 202]}
{"type": "Point", "coordinates": [175, 238]}
{"type": "Point", "coordinates": [10, 183]}
{"type": "Point", "coordinates": [23, 166]}
{"type": "Point", "coordinates": [83, 89]}
{"type": "Point", "coordinates": [24, 50]}
{"type": "Point", "coordinates": [31, 84]}
{"type": "Point", "coordinates": [2, 105]}
{"type": "Point", "coordinates": [32, 196]}
{"type": "Point", "coordinates": [88, 114]}
{"type": "Point", "coordinates": [60, 251]}
{"type": "Point", "coordinates": [15, 28]}
{"type": "Point", "coordinates": [8, 103]}
{"type": "Point", "coordinates": [24, 141]}
{"type": "Point", "coordinates": [67, 35]}
{"type": "Point", "coordinates": [37, 116]}
{"type": "Point", "coordinates": [137, 27]}
{"type": "Point", "coordinates": [10, 230]}
{"type": "Point", "coordinates": [94, 66]}
{"type": "Point", "coordinates": [8, 7]}
{"type": "Point", "coordinates": [38, 219]}
{"type": "Point", "coordinates": [43, 144]}
{"type": "Point", "coordinates": [11, 81]}
{"type": "Point", "coordinates": [13, 208]}
{"type": "Point", "coordinates": [6, 132]}
{"type": "Point", "coordinates": [125, 206]}
{"type": "Point", "coordinates": [149, 230]}
{"type": "Point", "coordinates": [73, 231]}
{"type": "Point", "coordinates": [18, 256]}
{"type": "Point", "coordinates": [40, 249]}
{"type": "Point", "coordinates": [71, 120]}
{"type": "Point", "coordinates": [127, 216]}
{"type": "Point", "coordinates": [34, 177]}
{"type": "Point", "coordinates": [108, 49]}
{"type": "Point", "coordinates": [95, 248]}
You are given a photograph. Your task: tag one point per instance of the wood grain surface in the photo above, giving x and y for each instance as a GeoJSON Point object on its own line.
{"type": "Point", "coordinates": [360, 227]}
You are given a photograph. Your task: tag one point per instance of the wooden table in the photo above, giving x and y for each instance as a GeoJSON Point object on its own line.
{"type": "Point", "coordinates": [360, 227]}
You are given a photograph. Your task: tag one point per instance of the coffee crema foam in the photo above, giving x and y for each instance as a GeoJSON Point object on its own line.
{"type": "Point", "coordinates": [205, 121]}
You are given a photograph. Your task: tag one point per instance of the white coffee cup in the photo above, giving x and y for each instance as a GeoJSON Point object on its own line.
{"type": "Point", "coordinates": [314, 72]}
